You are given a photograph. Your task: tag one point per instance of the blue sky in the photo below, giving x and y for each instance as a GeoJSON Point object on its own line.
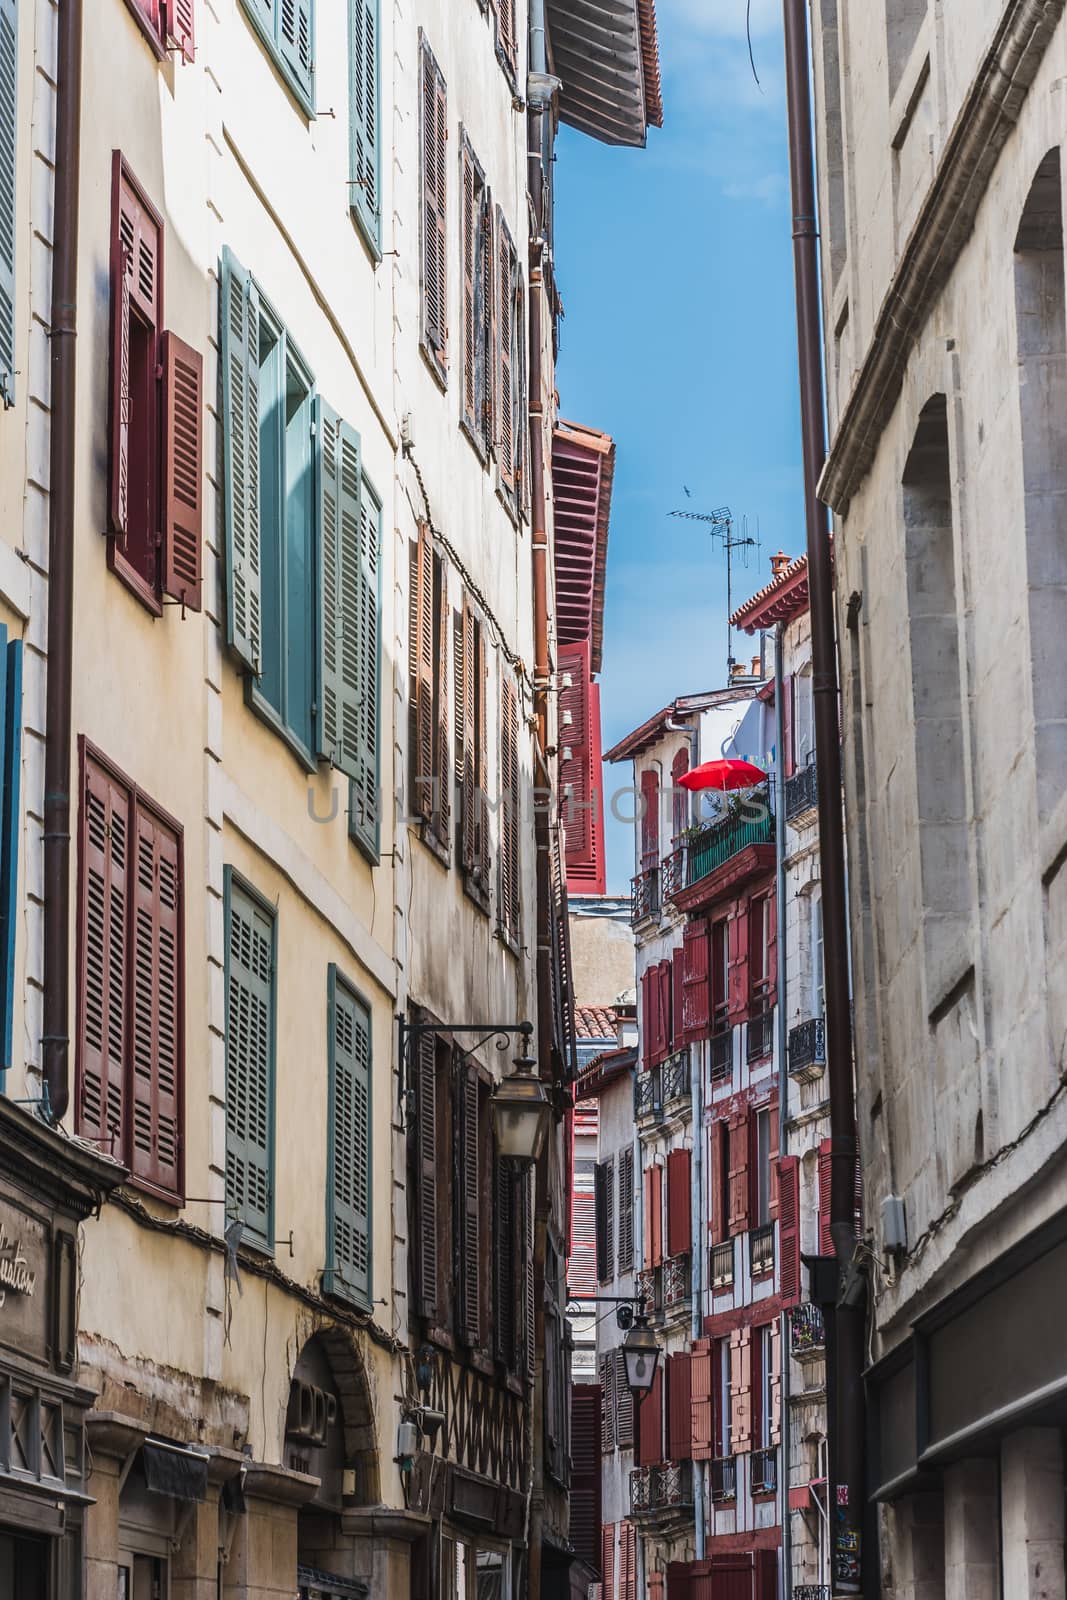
{"type": "Point", "coordinates": [679, 338]}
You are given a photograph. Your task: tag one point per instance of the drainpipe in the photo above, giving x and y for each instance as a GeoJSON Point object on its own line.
{"type": "Point", "coordinates": [699, 1244]}
{"type": "Point", "coordinates": [782, 1029]}
{"type": "Point", "coordinates": [845, 1324]}
{"type": "Point", "coordinates": [57, 757]}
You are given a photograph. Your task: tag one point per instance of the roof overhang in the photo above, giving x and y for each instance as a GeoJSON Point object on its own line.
{"type": "Point", "coordinates": [606, 55]}
{"type": "Point", "coordinates": [784, 598]}
{"type": "Point", "coordinates": [687, 705]}
{"type": "Point", "coordinates": [583, 470]}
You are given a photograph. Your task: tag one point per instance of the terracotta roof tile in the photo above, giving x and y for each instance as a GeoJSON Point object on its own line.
{"type": "Point", "coordinates": [594, 1022]}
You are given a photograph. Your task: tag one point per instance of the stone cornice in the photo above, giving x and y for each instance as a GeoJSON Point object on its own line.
{"type": "Point", "coordinates": [944, 223]}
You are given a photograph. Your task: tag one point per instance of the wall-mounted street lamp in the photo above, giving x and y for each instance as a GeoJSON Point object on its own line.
{"type": "Point", "coordinates": [521, 1111]}
{"type": "Point", "coordinates": [640, 1352]}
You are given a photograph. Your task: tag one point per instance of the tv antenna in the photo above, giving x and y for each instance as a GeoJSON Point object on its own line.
{"type": "Point", "coordinates": [722, 527]}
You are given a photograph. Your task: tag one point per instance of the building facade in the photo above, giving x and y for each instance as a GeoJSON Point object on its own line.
{"type": "Point", "coordinates": [940, 135]}
{"type": "Point", "coordinates": [281, 661]}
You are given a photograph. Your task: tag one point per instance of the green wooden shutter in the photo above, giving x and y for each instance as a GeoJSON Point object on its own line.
{"type": "Point", "coordinates": [364, 115]}
{"type": "Point", "coordinates": [9, 63]}
{"type": "Point", "coordinates": [240, 431]}
{"type": "Point", "coordinates": [296, 43]}
{"type": "Point", "coordinates": [364, 806]}
{"type": "Point", "coordinates": [348, 1199]}
{"type": "Point", "coordinates": [250, 1024]}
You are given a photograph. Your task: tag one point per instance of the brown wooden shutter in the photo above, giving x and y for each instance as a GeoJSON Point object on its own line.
{"type": "Point", "coordinates": [468, 1190]}
{"type": "Point", "coordinates": [470, 219]}
{"type": "Point", "coordinates": [487, 327]}
{"type": "Point", "coordinates": [422, 674]}
{"type": "Point", "coordinates": [741, 1390]}
{"type": "Point", "coordinates": [626, 1211]}
{"type": "Point", "coordinates": [103, 960]}
{"type": "Point", "coordinates": [650, 1423]}
{"type": "Point", "coordinates": [739, 1142]}
{"type": "Point", "coordinates": [157, 1055]}
{"type": "Point", "coordinates": [506, 1285]}
{"type": "Point", "coordinates": [766, 1575]}
{"type": "Point", "coordinates": [655, 1587]}
{"type": "Point", "coordinates": [585, 1472]}
{"type": "Point", "coordinates": [506, 275]}
{"type": "Point", "coordinates": [789, 1230]}
{"type": "Point", "coordinates": [607, 1369]}
{"type": "Point", "coordinates": [527, 1298]}
{"type": "Point", "coordinates": [510, 893]}
{"type": "Point", "coordinates": [719, 1172]}
{"type": "Point", "coordinates": [136, 271]}
{"type": "Point", "coordinates": [180, 27]}
{"type": "Point", "coordinates": [701, 1419]}
{"type": "Point", "coordinates": [425, 1242]}
{"type": "Point", "coordinates": [649, 996]}
{"type": "Point", "coordinates": [826, 1242]}
{"type": "Point", "coordinates": [624, 1404]}
{"type": "Point", "coordinates": [433, 183]}
{"type": "Point", "coordinates": [649, 819]}
{"type": "Point", "coordinates": [679, 1407]}
{"type": "Point", "coordinates": [738, 976]}
{"type": "Point", "coordinates": [607, 1559]}
{"type": "Point", "coordinates": [696, 994]}
{"type": "Point", "coordinates": [484, 851]}
{"type": "Point", "coordinates": [466, 753]}
{"type": "Point", "coordinates": [183, 506]}
{"type": "Point", "coordinates": [442, 763]}
{"type": "Point", "coordinates": [627, 1561]}
{"type": "Point", "coordinates": [679, 1206]}
{"type": "Point", "coordinates": [507, 36]}
{"type": "Point", "coordinates": [656, 1214]}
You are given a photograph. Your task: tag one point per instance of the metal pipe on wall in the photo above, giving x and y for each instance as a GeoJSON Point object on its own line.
{"type": "Point", "coordinates": [845, 1324]}
{"type": "Point", "coordinates": [699, 1232]}
{"type": "Point", "coordinates": [785, 1587]}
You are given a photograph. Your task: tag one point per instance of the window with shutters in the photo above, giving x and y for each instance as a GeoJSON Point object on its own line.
{"type": "Point", "coordinates": [509, 360]}
{"type": "Point", "coordinates": [364, 113]}
{"type": "Point", "coordinates": [471, 1200]}
{"type": "Point", "coordinates": [9, 120]}
{"type": "Point", "coordinates": [433, 233]}
{"type": "Point", "coordinates": [155, 414]}
{"type": "Point", "coordinates": [473, 841]}
{"type": "Point", "coordinates": [509, 909]}
{"type": "Point", "coordinates": [507, 37]}
{"type": "Point", "coordinates": [478, 304]}
{"type": "Point", "coordinates": [10, 834]}
{"type": "Point", "coordinates": [679, 796]}
{"type": "Point", "coordinates": [649, 809]}
{"type": "Point", "coordinates": [167, 25]}
{"type": "Point", "coordinates": [130, 1047]}
{"type": "Point", "coordinates": [582, 1265]}
{"type": "Point", "coordinates": [605, 1220]}
{"type": "Point", "coordinates": [251, 1020]}
{"type": "Point", "coordinates": [626, 1212]}
{"type": "Point", "coordinates": [348, 1181]}
{"type": "Point", "coordinates": [762, 1166]}
{"type": "Point", "coordinates": [760, 954]}
{"type": "Point", "coordinates": [510, 1267]}
{"type": "Point", "coordinates": [585, 1498]}
{"type": "Point", "coordinates": [287, 28]}
{"type": "Point", "coordinates": [431, 730]}
{"type": "Point", "coordinates": [720, 976]}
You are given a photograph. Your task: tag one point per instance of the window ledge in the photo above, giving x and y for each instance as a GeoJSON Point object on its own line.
{"type": "Point", "coordinates": [131, 579]}
{"type": "Point", "coordinates": [437, 364]}
{"type": "Point", "coordinates": [370, 236]}
{"type": "Point", "coordinates": [508, 939]}
{"type": "Point", "coordinates": [439, 848]}
{"type": "Point", "coordinates": [266, 713]}
{"type": "Point", "coordinates": [476, 892]}
{"type": "Point", "coordinates": [475, 440]}
{"type": "Point", "coordinates": [155, 43]}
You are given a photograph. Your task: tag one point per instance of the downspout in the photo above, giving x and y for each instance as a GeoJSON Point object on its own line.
{"type": "Point", "coordinates": [845, 1323]}
{"type": "Point", "coordinates": [782, 1030]}
{"type": "Point", "coordinates": [699, 1236]}
{"type": "Point", "coordinates": [57, 754]}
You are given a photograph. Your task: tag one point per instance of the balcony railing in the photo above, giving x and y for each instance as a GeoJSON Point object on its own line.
{"type": "Point", "coordinates": [761, 1247]}
{"type": "Point", "coordinates": [765, 1470]}
{"type": "Point", "coordinates": [802, 796]}
{"type": "Point", "coordinates": [649, 1288]}
{"type": "Point", "coordinates": [660, 1491]}
{"type": "Point", "coordinates": [718, 842]}
{"type": "Point", "coordinates": [807, 1050]}
{"type": "Point", "coordinates": [723, 1479]}
{"type": "Point", "coordinates": [760, 1035]}
{"type": "Point", "coordinates": [722, 1264]}
{"type": "Point", "coordinates": [807, 1333]}
{"type": "Point", "coordinates": [675, 1076]}
{"type": "Point", "coordinates": [722, 1055]}
{"type": "Point", "coordinates": [648, 1096]}
{"type": "Point", "coordinates": [672, 874]}
{"type": "Point", "coordinates": [644, 896]}
{"type": "Point", "coordinates": [676, 1282]}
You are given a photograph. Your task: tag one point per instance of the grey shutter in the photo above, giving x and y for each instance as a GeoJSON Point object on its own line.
{"type": "Point", "coordinates": [348, 1265]}
{"type": "Point", "coordinates": [240, 432]}
{"type": "Point", "coordinates": [364, 114]}
{"type": "Point", "coordinates": [295, 42]}
{"type": "Point", "coordinates": [9, 33]}
{"type": "Point", "coordinates": [250, 1064]}
{"type": "Point", "coordinates": [364, 810]}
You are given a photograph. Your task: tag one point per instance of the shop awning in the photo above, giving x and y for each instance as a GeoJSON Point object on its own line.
{"type": "Point", "coordinates": [174, 1470]}
{"type": "Point", "coordinates": [606, 55]}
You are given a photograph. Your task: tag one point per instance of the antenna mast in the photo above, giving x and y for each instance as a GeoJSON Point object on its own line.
{"type": "Point", "coordinates": [721, 527]}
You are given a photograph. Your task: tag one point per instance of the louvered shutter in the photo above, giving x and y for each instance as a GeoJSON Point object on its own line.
{"type": "Point", "coordinates": [738, 974]}
{"type": "Point", "coordinates": [506, 1286]}
{"type": "Point", "coordinates": [585, 1405]}
{"type": "Point", "coordinates": [679, 1407]}
{"type": "Point", "coordinates": [158, 1024]}
{"type": "Point", "coordinates": [9, 72]}
{"type": "Point", "coordinates": [527, 1299]}
{"type": "Point", "coordinates": [789, 1230]}
{"type": "Point", "coordinates": [180, 27]}
{"type": "Point", "coordinates": [656, 1213]}
{"type": "Point", "coordinates": [468, 1188]}
{"type": "Point", "coordinates": [649, 995]}
{"type": "Point", "coordinates": [422, 666]}
{"type": "Point", "coordinates": [426, 1175]}
{"type": "Point", "coordinates": [364, 814]}
{"type": "Point", "coordinates": [679, 1205]}
{"type": "Point", "coordinates": [575, 764]}
{"type": "Point", "coordinates": [348, 1266]}
{"type": "Point", "coordinates": [486, 329]}
{"type": "Point", "coordinates": [183, 489]}
{"type": "Point", "coordinates": [470, 219]}
{"type": "Point", "coordinates": [772, 1140]}
{"type": "Point", "coordinates": [466, 738]}
{"type": "Point", "coordinates": [600, 1195]}
{"type": "Point", "coordinates": [607, 1560]}
{"type": "Point", "coordinates": [696, 993]}
{"type": "Point", "coordinates": [11, 824]}
{"type": "Point", "coordinates": [152, 11]}
{"type": "Point", "coordinates": [510, 902]}
{"type": "Point", "coordinates": [649, 820]}
{"type": "Point", "coordinates": [442, 762]}
{"type": "Point", "coordinates": [624, 1404]}
{"type": "Point", "coordinates": [296, 44]}
{"type": "Point", "coordinates": [103, 960]}
{"type": "Point", "coordinates": [774, 1383]}
{"type": "Point", "coordinates": [701, 1447]}
{"type": "Point", "coordinates": [740, 1390]}
{"type": "Point", "coordinates": [626, 1212]}
{"type": "Point", "coordinates": [606, 1367]}
{"type": "Point", "coordinates": [240, 441]}
{"type": "Point", "coordinates": [348, 590]}
{"type": "Point", "coordinates": [609, 1218]}
{"type": "Point", "coordinates": [484, 865]}
{"type": "Point", "coordinates": [433, 165]}
{"type": "Point", "coordinates": [507, 272]}
{"type": "Point", "coordinates": [250, 1024]}
{"type": "Point", "coordinates": [857, 1206]}
{"type": "Point", "coordinates": [582, 1265]}
{"type": "Point", "coordinates": [720, 1169]}
{"type": "Point", "coordinates": [650, 1423]}
{"type": "Point", "coordinates": [788, 750]}
{"type": "Point", "coordinates": [627, 1561]}
{"type": "Point", "coordinates": [364, 114]}
{"type": "Point", "coordinates": [826, 1243]}
{"type": "Point", "coordinates": [507, 38]}
{"type": "Point", "coordinates": [739, 1143]}
{"type": "Point", "coordinates": [135, 283]}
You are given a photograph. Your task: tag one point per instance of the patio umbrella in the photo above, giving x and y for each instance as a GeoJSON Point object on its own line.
{"type": "Point", "coordinates": [723, 775]}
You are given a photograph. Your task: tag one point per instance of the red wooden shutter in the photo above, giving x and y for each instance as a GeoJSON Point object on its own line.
{"type": "Point", "coordinates": [585, 1472]}
{"type": "Point", "coordinates": [426, 1175]}
{"type": "Point", "coordinates": [607, 1559]}
{"type": "Point", "coordinates": [766, 1575]}
{"type": "Point", "coordinates": [719, 981]}
{"type": "Point", "coordinates": [103, 960]}
{"type": "Point", "coordinates": [788, 751]}
{"type": "Point", "coordinates": [719, 1175]}
{"type": "Point", "coordinates": [155, 1153]}
{"type": "Point", "coordinates": [740, 1390]}
{"type": "Point", "coordinates": [770, 913]}
{"type": "Point", "coordinates": [624, 1403]}
{"type": "Point", "coordinates": [826, 1243]}
{"type": "Point", "coordinates": [655, 1587]}
{"type": "Point", "coordinates": [180, 27]}
{"type": "Point", "coordinates": [646, 1185]}
{"type": "Point", "coordinates": [789, 1230]}
{"type": "Point", "coordinates": [679, 1206]}
{"type": "Point", "coordinates": [757, 973]}
{"type": "Point", "coordinates": [183, 506]}
{"type": "Point", "coordinates": [666, 996]}
{"type": "Point", "coordinates": [649, 997]}
{"type": "Point", "coordinates": [628, 1561]}
{"type": "Point", "coordinates": [679, 1408]}
{"type": "Point", "coordinates": [739, 1141]}
{"type": "Point", "coordinates": [696, 996]}
{"type": "Point", "coordinates": [677, 1039]}
{"type": "Point", "coordinates": [701, 1422]}
{"type": "Point", "coordinates": [649, 819]}
{"type": "Point", "coordinates": [650, 1423]}
{"type": "Point", "coordinates": [576, 768]}
{"type": "Point", "coordinates": [468, 1187]}
{"type": "Point", "coordinates": [656, 1214]}
{"type": "Point", "coordinates": [680, 796]}
{"type": "Point", "coordinates": [738, 998]}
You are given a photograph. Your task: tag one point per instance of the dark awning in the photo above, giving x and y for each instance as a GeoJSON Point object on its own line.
{"type": "Point", "coordinates": [172, 1469]}
{"type": "Point", "coordinates": [606, 55]}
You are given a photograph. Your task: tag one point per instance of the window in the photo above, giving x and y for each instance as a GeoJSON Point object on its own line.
{"type": "Point", "coordinates": [720, 976]}
{"type": "Point", "coordinates": [287, 28]}
{"type": "Point", "coordinates": [251, 930]}
{"type": "Point", "coordinates": [433, 134]}
{"type": "Point", "coordinates": [131, 1031]}
{"type": "Point", "coordinates": [470, 1571]}
{"type": "Point", "coordinates": [430, 727]}
{"type": "Point", "coordinates": [605, 1219]}
{"type": "Point", "coordinates": [649, 819]}
{"type": "Point", "coordinates": [365, 119]}
{"type": "Point", "coordinates": [763, 1155]}
{"type": "Point", "coordinates": [156, 424]}
{"type": "Point", "coordinates": [818, 969]}
{"type": "Point", "coordinates": [9, 73]}
{"type": "Point", "coordinates": [166, 24]}
{"type": "Point", "coordinates": [510, 908]}
{"type": "Point", "coordinates": [472, 769]}
{"type": "Point", "coordinates": [509, 355]}
{"type": "Point", "coordinates": [348, 1190]}
{"type": "Point", "coordinates": [760, 959]}
{"type": "Point", "coordinates": [10, 832]}
{"type": "Point", "coordinates": [478, 303]}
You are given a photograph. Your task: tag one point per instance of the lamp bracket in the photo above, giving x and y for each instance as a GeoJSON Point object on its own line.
{"type": "Point", "coordinates": [410, 1033]}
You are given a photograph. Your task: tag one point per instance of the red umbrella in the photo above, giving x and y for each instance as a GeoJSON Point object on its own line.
{"type": "Point", "coordinates": [723, 775]}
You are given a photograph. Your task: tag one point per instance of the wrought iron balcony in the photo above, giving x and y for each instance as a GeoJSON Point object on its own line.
{"type": "Point", "coordinates": [760, 1035]}
{"type": "Point", "coordinates": [722, 1055]}
{"type": "Point", "coordinates": [675, 1076]}
{"type": "Point", "coordinates": [644, 896]}
{"type": "Point", "coordinates": [761, 1250]}
{"type": "Point", "coordinates": [802, 797]}
{"type": "Point", "coordinates": [648, 1287]}
{"type": "Point", "coordinates": [672, 874]}
{"type": "Point", "coordinates": [659, 1492]}
{"type": "Point", "coordinates": [722, 1264]}
{"type": "Point", "coordinates": [676, 1283]}
{"type": "Point", "coordinates": [723, 1479]}
{"type": "Point", "coordinates": [807, 1333]}
{"type": "Point", "coordinates": [807, 1050]}
{"type": "Point", "coordinates": [765, 1470]}
{"type": "Point", "coordinates": [719, 841]}
{"type": "Point", "coordinates": [648, 1095]}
